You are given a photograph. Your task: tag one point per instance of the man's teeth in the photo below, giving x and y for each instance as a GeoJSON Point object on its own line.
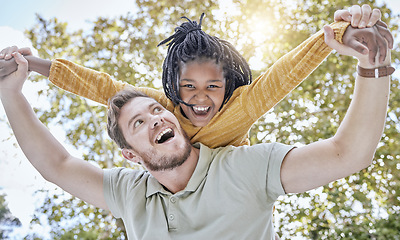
{"type": "Point", "coordinates": [163, 132]}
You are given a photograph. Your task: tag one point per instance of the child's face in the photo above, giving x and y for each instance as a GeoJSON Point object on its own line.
{"type": "Point", "coordinates": [203, 85]}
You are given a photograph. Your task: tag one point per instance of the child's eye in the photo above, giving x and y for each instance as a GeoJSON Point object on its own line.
{"type": "Point", "coordinates": [187, 86]}
{"type": "Point", "coordinates": [213, 86]}
{"type": "Point", "coordinates": [137, 123]}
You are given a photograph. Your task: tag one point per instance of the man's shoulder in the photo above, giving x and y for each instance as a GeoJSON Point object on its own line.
{"type": "Point", "coordinates": [126, 174]}
{"type": "Point", "coordinates": [253, 148]}
{"type": "Point", "coordinates": [240, 156]}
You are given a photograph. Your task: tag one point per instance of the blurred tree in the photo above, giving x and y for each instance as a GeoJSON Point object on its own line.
{"type": "Point", "coordinates": [7, 220]}
{"type": "Point", "coordinates": [363, 206]}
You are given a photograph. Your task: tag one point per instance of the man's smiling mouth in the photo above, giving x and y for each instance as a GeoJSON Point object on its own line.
{"type": "Point", "coordinates": [165, 135]}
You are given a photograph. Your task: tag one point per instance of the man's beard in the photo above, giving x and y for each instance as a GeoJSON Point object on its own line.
{"type": "Point", "coordinates": [169, 162]}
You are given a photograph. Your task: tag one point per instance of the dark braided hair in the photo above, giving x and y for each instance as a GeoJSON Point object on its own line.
{"type": "Point", "coordinates": [190, 43]}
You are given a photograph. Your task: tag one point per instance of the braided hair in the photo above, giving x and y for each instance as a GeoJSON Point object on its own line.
{"type": "Point", "coordinates": [190, 43]}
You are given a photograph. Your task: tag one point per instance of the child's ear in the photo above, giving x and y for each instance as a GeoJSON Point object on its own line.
{"type": "Point", "coordinates": [130, 155]}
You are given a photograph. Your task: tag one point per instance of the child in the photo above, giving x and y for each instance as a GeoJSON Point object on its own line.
{"type": "Point", "coordinates": [215, 99]}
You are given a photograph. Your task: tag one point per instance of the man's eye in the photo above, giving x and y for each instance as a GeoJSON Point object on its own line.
{"type": "Point", "coordinates": [137, 123]}
{"type": "Point", "coordinates": [157, 110]}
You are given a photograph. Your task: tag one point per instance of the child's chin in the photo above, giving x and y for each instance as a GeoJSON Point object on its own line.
{"type": "Point", "coordinates": [198, 123]}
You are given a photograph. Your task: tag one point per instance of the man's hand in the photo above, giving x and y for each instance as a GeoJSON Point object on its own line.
{"type": "Point", "coordinates": [7, 62]}
{"type": "Point", "coordinates": [15, 80]}
{"type": "Point", "coordinates": [360, 17]}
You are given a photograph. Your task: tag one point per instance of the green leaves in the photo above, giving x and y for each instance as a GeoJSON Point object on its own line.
{"type": "Point", "coordinates": [363, 206]}
{"type": "Point", "coordinates": [7, 220]}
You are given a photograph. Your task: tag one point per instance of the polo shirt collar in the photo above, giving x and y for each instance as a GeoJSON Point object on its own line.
{"type": "Point", "coordinates": [200, 172]}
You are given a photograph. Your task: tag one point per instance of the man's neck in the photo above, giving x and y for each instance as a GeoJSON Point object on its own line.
{"type": "Point", "coordinates": [176, 179]}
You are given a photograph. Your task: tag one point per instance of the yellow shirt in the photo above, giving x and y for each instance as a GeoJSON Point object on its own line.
{"type": "Point", "coordinates": [230, 126]}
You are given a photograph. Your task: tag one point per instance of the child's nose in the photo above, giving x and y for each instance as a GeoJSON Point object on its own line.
{"type": "Point", "coordinates": [201, 95]}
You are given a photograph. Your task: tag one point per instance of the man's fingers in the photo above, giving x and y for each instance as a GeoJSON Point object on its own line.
{"type": "Point", "coordinates": [365, 14]}
{"type": "Point", "coordinates": [342, 15]}
{"type": "Point", "coordinates": [3, 53]}
{"type": "Point", "coordinates": [329, 35]}
{"type": "Point", "coordinates": [22, 63]}
{"type": "Point", "coordinates": [9, 51]}
{"type": "Point", "coordinates": [385, 33]}
{"type": "Point", "coordinates": [355, 12]}
{"type": "Point", "coordinates": [374, 18]}
{"type": "Point", "coordinates": [330, 40]}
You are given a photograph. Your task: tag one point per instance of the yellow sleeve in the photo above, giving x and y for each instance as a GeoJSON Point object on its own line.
{"type": "Point", "coordinates": [94, 85]}
{"type": "Point", "coordinates": [85, 82]}
{"type": "Point", "coordinates": [288, 72]}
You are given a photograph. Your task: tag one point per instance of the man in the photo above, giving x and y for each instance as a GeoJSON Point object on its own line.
{"type": "Point", "coordinates": [193, 192]}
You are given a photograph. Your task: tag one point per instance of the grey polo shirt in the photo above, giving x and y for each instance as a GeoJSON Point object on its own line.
{"type": "Point", "coordinates": [230, 196]}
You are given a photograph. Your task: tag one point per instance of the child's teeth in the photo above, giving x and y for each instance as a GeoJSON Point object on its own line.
{"type": "Point", "coordinates": [201, 108]}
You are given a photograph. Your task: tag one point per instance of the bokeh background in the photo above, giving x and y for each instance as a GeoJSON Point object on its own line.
{"type": "Point", "coordinates": [120, 37]}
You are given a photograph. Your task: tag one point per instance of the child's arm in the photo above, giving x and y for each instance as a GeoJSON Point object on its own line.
{"type": "Point", "coordinates": [85, 82]}
{"type": "Point", "coordinates": [100, 87]}
{"type": "Point", "coordinates": [291, 69]}
{"type": "Point", "coordinates": [8, 64]}
{"type": "Point", "coordinates": [79, 80]}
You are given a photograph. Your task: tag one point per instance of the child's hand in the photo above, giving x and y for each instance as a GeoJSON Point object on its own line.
{"type": "Point", "coordinates": [364, 60]}
{"type": "Point", "coordinates": [359, 17]}
{"type": "Point", "coordinates": [15, 80]}
{"type": "Point", "coordinates": [368, 41]}
{"type": "Point", "coordinates": [7, 67]}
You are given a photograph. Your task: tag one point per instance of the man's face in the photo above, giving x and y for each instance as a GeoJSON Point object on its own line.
{"type": "Point", "coordinates": [154, 133]}
{"type": "Point", "coordinates": [203, 85]}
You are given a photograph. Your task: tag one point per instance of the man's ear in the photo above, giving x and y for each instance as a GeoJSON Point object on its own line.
{"type": "Point", "coordinates": [130, 155]}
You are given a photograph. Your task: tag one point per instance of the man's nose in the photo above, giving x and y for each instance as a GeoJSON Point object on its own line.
{"type": "Point", "coordinates": [156, 120]}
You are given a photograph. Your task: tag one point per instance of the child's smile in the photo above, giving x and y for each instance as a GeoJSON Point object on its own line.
{"type": "Point", "coordinates": [200, 110]}
{"type": "Point", "coordinates": [201, 84]}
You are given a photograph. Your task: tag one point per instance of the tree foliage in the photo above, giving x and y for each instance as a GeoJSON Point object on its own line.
{"type": "Point", "coordinates": [362, 206]}
{"type": "Point", "coordinates": [7, 220]}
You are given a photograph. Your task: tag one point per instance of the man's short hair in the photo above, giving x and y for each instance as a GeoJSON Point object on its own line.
{"type": "Point", "coordinates": [114, 111]}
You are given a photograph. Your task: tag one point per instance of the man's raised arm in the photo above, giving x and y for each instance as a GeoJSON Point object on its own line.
{"type": "Point", "coordinates": [45, 153]}
{"type": "Point", "coordinates": [353, 146]}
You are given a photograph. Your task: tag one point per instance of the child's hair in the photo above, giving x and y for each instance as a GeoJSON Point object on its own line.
{"type": "Point", "coordinates": [190, 43]}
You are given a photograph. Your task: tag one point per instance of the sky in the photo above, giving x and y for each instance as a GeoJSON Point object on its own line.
{"type": "Point", "coordinates": [18, 179]}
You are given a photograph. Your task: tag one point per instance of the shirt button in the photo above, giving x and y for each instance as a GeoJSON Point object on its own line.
{"type": "Point", "coordinates": [171, 217]}
{"type": "Point", "coordinates": [173, 200]}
